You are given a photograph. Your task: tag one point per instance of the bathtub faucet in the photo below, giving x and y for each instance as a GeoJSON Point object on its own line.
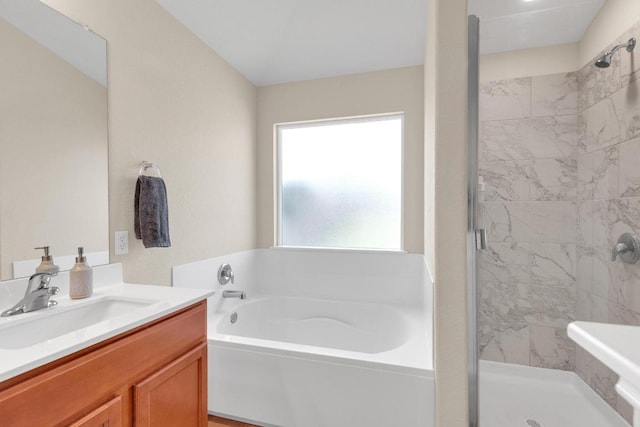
{"type": "Point", "coordinates": [234, 294]}
{"type": "Point", "coordinates": [225, 274]}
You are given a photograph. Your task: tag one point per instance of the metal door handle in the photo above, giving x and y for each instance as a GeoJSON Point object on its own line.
{"type": "Point", "coordinates": [481, 239]}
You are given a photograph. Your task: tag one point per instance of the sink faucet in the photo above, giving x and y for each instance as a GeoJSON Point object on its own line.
{"type": "Point", "coordinates": [234, 294]}
{"type": "Point", "coordinates": [37, 295]}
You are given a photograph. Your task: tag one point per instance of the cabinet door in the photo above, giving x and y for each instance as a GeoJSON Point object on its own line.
{"type": "Point", "coordinates": [176, 395]}
{"type": "Point", "coordinates": [107, 415]}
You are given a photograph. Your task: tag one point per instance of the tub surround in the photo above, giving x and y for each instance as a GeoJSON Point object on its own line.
{"type": "Point", "coordinates": [301, 329]}
{"type": "Point", "coordinates": [395, 279]}
{"type": "Point", "coordinates": [159, 301]}
{"type": "Point", "coordinates": [389, 278]}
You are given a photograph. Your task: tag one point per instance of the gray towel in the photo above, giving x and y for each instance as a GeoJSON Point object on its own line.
{"type": "Point", "coordinates": [151, 221]}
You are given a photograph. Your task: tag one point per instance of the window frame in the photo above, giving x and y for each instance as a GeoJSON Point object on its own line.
{"type": "Point", "coordinates": [277, 131]}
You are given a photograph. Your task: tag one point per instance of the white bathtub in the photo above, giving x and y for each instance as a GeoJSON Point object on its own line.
{"type": "Point", "coordinates": [302, 362]}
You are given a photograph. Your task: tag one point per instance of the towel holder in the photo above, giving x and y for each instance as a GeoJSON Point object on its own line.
{"type": "Point", "coordinates": [146, 166]}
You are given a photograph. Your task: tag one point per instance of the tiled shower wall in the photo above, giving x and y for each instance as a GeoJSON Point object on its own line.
{"type": "Point", "coordinates": [608, 195]}
{"type": "Point", "coordinates": [528, 163]}
{"type": "Point", "coordinates": [560, 161]}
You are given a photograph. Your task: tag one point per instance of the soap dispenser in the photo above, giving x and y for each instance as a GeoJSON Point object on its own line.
{"type": "Point", "coordinates": [47, 265]}
{"type": "Point", "coordinates": [80, 278]}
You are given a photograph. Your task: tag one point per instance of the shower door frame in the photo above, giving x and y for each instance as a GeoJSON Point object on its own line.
{"type": "Point", "coordinates": [475, 237]}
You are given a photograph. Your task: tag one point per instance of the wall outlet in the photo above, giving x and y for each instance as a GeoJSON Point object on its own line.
{"type": "Point", "coordinates": [122, 242]}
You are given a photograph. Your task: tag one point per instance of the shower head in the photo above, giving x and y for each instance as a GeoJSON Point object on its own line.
{"type": "Point", "coordinates": [605, 60]}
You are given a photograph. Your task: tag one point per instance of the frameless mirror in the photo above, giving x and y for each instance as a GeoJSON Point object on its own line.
{"type": "Point", "coordinates": [53, 139]}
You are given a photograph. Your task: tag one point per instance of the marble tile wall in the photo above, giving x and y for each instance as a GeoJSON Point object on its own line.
{"type": "Point", "coordinates": [608, 198]}
{"type": "Point", "coordinates": [529, 168]}
{"type": "Point", "coordinates": [560, 166]}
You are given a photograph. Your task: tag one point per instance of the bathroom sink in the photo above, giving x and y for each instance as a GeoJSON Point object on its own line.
{"type": "Point", "coordinates": [617, 347]}
{"type": "Point", "coordinates": [51, 323]}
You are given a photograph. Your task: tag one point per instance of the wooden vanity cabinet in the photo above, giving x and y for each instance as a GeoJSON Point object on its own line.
{"type": "Point", "coordinates": [173, 395]}
{"type": "Point", "coordinates": [154, 375]}
{"type": "Point", "coordinates": [107, 415]}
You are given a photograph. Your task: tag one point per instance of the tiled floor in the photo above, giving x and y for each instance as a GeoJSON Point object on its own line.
{"type": "Point", "coordinates": [223, 422]}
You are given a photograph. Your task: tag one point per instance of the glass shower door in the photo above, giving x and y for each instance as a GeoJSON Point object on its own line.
{"type": "Point", "coordinates": [475, 237]}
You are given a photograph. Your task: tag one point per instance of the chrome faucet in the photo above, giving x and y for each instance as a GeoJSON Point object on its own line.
{"type": "Point", "coordinates": [234, 294]}
{"type": "Point", "coordinates": [37, 295]}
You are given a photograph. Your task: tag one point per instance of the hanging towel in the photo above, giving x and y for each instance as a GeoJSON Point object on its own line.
{"type": "Point", "coordinates": [151, 221]}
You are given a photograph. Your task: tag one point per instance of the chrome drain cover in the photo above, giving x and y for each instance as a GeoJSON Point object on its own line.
{"type": "Point", "coordinates": [234, 318]}
{"type": "Point", "coordinates": [533, 423]}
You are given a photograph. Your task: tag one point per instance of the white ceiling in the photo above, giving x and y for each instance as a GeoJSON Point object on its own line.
{"type": "Point", "coordinates": [277, 41]}
{"type": "Point", "coordinates": [520, 24]}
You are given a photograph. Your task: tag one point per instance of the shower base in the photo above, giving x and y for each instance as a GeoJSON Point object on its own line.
{"type": "Point", "coordinates": [521, 396]}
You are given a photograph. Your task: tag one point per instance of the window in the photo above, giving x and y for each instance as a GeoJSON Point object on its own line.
{"type": "Point", "coordinates": [340, 183]}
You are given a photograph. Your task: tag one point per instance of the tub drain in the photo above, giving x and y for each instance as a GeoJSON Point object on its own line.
{"type": "Point", "coordinates": [533, 423]}
{"type": "Point", "coordinates": [234, 318]}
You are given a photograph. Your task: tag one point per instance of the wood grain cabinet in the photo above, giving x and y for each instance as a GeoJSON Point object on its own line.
{"type": "Point", "coordinates": [154, 375]}
{"type": "Point", "coordinates": [173, 395]}
{"type": "Point", "coordinates": [107, 415]}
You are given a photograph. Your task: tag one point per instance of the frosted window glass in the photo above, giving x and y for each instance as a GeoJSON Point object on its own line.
{"type": "Point", "coordinates": [341, 183]}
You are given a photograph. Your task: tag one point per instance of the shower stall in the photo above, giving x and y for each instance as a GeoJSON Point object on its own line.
{"type": "Point", "coordinates": [554, 143]}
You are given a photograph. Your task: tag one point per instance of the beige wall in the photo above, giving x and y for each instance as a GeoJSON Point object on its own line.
{"type": "Point", "coordinates": [354, 95]}
{"type": "Point", "coordinates": [53, 154]}
{"type": "Point", "coordinates": [446, 201]}
{"type": "Point", "coordinates": [173, 101]}
{"type": "Point", "coordinates": [615, 17]}
{"type": "Point", "coordinates": [529, 62]}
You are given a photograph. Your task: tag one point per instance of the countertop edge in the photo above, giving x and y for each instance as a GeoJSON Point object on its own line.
{"type": "Point", "coordinates": [170, 300]}
{"type": "Point", "coordinates": [615, 359]}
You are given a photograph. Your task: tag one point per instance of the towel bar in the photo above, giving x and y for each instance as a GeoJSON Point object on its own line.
{"type": "Point", "coordinates": [146, 165]}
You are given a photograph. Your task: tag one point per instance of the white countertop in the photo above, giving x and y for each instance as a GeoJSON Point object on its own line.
{"type": "Point", "coordinates": [160, 300]}
{"type": "Point", "coordinates": [617, 346]}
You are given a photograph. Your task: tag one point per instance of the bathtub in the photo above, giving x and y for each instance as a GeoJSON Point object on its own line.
{"type": "Point", "coordinates": [305, 362]}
